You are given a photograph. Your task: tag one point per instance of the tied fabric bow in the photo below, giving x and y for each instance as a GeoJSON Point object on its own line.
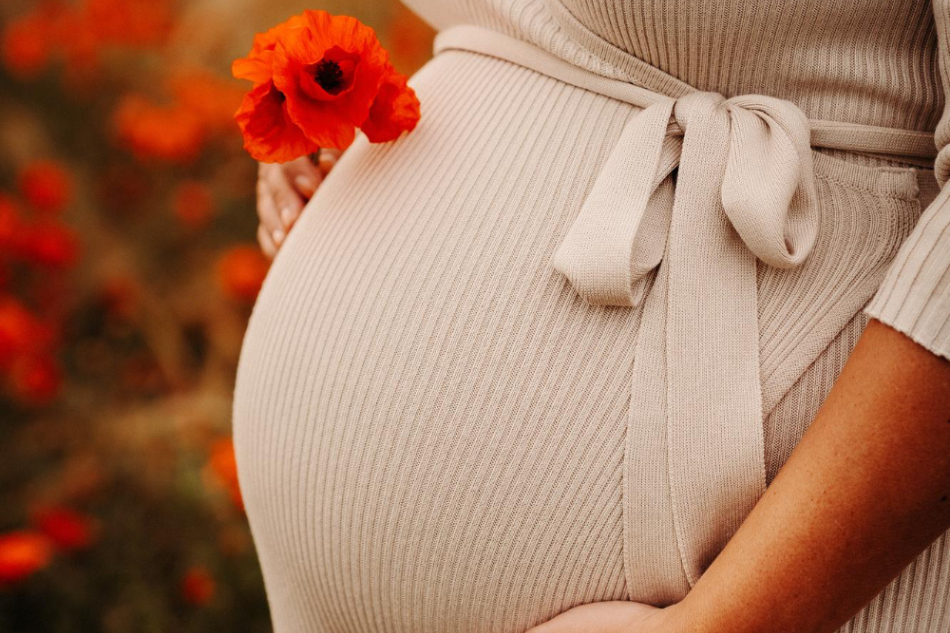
{"type": "Point", "coordinates": [696, 384]}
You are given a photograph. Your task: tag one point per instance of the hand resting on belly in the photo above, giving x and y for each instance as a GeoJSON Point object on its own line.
{"type": "Point", "coordinates": [282, 191]}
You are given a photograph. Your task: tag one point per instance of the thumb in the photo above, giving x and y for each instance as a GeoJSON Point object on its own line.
{"type": "Point", "coordinates": [303, 176]}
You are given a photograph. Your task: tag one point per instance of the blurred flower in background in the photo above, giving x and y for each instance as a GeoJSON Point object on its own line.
{"type": "Point", "coordinates": [128, 269]}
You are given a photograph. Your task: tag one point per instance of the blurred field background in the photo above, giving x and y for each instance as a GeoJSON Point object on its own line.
{"type": "Point", "coordinates": [128, 269]}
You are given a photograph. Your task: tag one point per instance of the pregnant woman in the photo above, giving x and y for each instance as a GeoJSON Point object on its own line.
{"type": "Point", "coordinates": [645, 328]}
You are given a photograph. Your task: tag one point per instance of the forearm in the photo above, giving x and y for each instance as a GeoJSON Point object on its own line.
{"type": "Point", "coordinates": [865, 491]}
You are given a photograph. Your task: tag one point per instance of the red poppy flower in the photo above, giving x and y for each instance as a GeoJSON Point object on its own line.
{"type": "Point", "coordinates": [269, 133]}
{"type": "Point", "coordinates": [395, 110]}
{"type": "Point", "coordinates": [330, 69]}
{"type": "Point", "coordinates": [318, 77]}
{"type": "Point", "coordinates": [270, 136]}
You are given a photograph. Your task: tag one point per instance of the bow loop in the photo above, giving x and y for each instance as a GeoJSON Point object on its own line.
{"type": "Point", "coordinates": [767, 188]}
{"type": "Point", "coordinates": [620, 233]}
{"type": "Point", "coordinates": [769, 163]}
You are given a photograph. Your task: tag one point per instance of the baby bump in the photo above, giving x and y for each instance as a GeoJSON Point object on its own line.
{"type": "Point", "coordinates": [429, 422]}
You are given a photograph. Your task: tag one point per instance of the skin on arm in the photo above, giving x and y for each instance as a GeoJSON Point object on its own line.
{"type": "Point", "coordinates": [865, 492]}
{"type": "Point", "coordinates": [282, 191]}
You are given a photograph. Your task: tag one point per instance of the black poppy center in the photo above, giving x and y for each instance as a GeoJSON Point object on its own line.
{"type": "Point", "coordinates": [330, 76]}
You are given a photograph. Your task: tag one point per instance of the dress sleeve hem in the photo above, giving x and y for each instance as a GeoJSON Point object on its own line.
{"type": "Point", "coordinates": [914, 296]}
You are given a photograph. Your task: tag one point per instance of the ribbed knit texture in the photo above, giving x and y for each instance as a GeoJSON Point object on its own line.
{"type": "Point", "coordinates": [875, 62]}
{"type": "Point", "coordinates": [430, 424]}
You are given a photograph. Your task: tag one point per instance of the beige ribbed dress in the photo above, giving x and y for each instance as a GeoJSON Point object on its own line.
{"type": "Point", "coordinates": [549, 348]}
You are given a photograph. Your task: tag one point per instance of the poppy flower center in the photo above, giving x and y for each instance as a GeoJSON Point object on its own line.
{"type": "Point", "coordinates": [329, 75]}
{"type": "Point", "coordinates": [333, 75]}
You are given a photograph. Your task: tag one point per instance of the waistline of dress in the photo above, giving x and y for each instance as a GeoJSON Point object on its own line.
{"type": "Point", "coordinates": [892, 143]}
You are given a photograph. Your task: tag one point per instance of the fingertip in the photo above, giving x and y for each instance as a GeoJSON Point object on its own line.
{"type": "Point", "coordinates": [288, 216]}
{"type": "Point", "coordinates": [268, 213]}
{"type": "Point", "coordinates": [327, 160]}
{"type": "Point", "coordinates": [306, 185]}
{"type": "Point", "coordinates": [265, 242]}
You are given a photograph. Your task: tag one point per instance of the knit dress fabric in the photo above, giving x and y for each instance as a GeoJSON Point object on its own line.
{"type": "Point", "coordinates": [433, 428]}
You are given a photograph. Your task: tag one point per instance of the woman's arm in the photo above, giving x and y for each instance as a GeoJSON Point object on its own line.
{"type": "Point", "coordinates": [865, 491]}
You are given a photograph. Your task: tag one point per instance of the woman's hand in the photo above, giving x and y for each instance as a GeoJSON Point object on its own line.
{"type": "Point", "coordinates": [282, 191]}
{"type": "Point", "coordinates": [864, 493]}
{"type": "Point", "coordinates": [611, 617]}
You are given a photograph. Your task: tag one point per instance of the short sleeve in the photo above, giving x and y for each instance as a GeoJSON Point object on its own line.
{"type": "Point", "coordinates": [914, 297]}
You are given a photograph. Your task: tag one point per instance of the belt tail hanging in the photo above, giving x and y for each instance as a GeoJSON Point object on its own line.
{"type": "Point", "coordinates": [716, 467]}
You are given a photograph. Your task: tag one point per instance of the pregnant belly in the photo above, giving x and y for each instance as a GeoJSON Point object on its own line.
{"type": "Point", "coordinates": [429, 422]}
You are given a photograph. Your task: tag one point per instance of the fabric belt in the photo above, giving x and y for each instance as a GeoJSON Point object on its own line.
{"type": "Point", "coordinates": [745, 189]}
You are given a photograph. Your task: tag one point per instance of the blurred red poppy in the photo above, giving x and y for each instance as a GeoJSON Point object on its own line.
{"type": "Point", "coordinates": [130, 22]}
{"type": "Point", "coordinates": [197, 586]}
{"type": "Point", "coordinates": [36, 379]}
{"type": "Point", "coordinates": [241, 271]}
{"type": "Point", "coordinates": [50, 244]}
{"type": "Point", "coordinates": [192, 204]}
{"type": "Point", "coordinates": [211, 98]}
{"type": "Point", "coordinates": [23, 553]}
{"type": "Point", "coordinates": [20, 332]}
{"type": "Point", "coordinates": [172, 133]}
{"type": "Point", "coordinates": [224, 466]}
{"type": "Point", "coordinates": [46, 185]}
{"type": "Point", "coordinates": [10, 224]}
{"type": "Point", "coordinates": [27, 44]}
{"type": "Point", "coordinates": [66, 529]}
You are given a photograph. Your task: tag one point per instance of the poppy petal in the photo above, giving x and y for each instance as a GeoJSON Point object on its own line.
{"type": "Point", "coordinates": [394, 111]}
{"type": "Point", "coordinates": [269, 133]}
